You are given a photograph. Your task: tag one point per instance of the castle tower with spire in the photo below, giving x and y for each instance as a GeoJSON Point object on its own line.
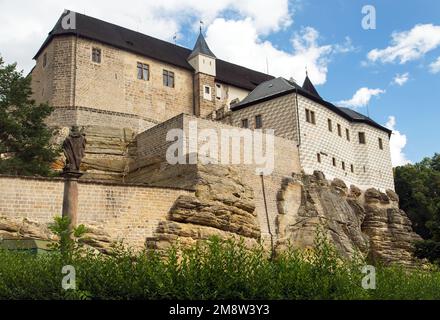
{"type": "Point", "coordinates": [204, 63]}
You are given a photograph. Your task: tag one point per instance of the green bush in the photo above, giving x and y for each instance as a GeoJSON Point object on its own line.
{"type": "Point", "coordinates": [214, 270]}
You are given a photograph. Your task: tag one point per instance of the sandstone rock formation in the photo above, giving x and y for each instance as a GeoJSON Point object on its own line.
{"type": "Point", "coordinates": [222, 206]}
{"type": "Point", "coordinates": [370, 222]}
{"type": "Point", "coordinates": [18, 229]}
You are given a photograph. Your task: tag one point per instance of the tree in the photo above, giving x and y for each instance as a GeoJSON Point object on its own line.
{"type": "Point", "coordinates": [25, 147]}
{"type": "Point", "coordinates": [419, 189]}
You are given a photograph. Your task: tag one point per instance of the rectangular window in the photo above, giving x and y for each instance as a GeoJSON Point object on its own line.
{"type": "Point", "coordinates": [310, 116]}
{"type": "Point", "coordinates": [352, 168]}
{"type": "Point", "coordinates": [330, 125]}
{"type": "Point", "coordinates": [207, 93]}
{"type": "Point", "coordinates": [319, 157]}
{"type": "Point", "coordinates": [143, 71]}
{"type": "Point", "coordinates": [168, 78]}
{"type": "Point", "coordinates": [339, 130]}
{"type": "Point", "coordinates": [45, 60]}
{"type": "Point", "coordinates": [218, 91]}
{"type": "Point", "coordinates": [347, 134]}
{"type": "Point", "coordinates": [96, 55]}
{"type": "Point", "coordinates": [245, 123]}
{"type": "Point", "coordinates": [380, 144]}
{"type": "Point", "coordinates": [362, 139]}
{"type": "Point", "coordinates": [258, 122]}
{"type": "Point", "coordinates": [334, 162]}
{"type": "Point", "coordinates": [343, 165]}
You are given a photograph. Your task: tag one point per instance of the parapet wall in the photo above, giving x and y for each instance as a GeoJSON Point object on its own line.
{"type": "Point", "coordinates": [128, 213]}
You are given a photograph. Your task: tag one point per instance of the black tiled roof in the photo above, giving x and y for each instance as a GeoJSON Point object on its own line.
{"type": "Point", "coordinates": [201, 47]}
{"type": "Point", "coordinates": [125, 39]}
{"type": "Point", "coordinates": [310, 88]}
{"type": "Point", "coordinates": [279, 87]}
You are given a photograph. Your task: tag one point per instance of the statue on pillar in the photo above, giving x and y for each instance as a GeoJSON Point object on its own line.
{"type": "Point", "coordinates": [74, 149]}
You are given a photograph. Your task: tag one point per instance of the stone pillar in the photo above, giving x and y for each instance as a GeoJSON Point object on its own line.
{"type": "Point", "coordinates": [70, 199]}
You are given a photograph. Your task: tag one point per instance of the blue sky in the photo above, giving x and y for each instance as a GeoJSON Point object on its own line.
{"type": "Point", "coordinates": [351, 66]}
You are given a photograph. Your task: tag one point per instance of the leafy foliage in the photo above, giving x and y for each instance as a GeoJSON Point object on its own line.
{"type": "Point", "coordinates": [25, 147]}
{"type": "Point", "coordinates": [419, 189]}
{"type": "Point", "coordinates": [215, 270]}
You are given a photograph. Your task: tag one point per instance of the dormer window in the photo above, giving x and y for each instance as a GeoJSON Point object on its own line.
{"type": "Point", "coordinates": [96, 55]}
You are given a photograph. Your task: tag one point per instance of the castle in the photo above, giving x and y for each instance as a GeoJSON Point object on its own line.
{"type": "Point", "coordinates": [100, 73]}
{"type": "Point", "coordinates": [128, 91]}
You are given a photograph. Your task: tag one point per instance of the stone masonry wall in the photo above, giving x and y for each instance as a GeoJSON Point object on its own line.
{"type": "Point", "coordinates": [124, 212]}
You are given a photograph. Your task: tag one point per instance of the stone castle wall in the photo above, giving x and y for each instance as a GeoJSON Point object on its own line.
{"type": "Point", "coordinates": [126, 213]}
{"type": "Point", "coordinates": [372, 166]}
{"type": "Point", "coordinates": [151, 164]}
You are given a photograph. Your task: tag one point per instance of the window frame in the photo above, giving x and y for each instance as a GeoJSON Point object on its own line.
{"type": "Point", "coordinates": [339, 130]}
{"type": "Point", "coordinates": [96, 52]}
{"type": "Point", "coordinates": [381, 147]}
{"type": "Point", "coordinates": [168, 75]}
{"type": "Point", "coordinates": [310, 116]}
{"type": "Point", "coordinates": [362, 138]}
{"type": "Point", "coordinates": [142, 68]}
{"type": "Point", "coordinates": [318, 155]}
{"type": "Point", "coordinates": [347, 134]}
{"type": "Point", "coordinates": [259, 122]}
{"type": "Point", "coordinates": [245, 123]}
{"type": "Point", "coordinates": [330, 125]}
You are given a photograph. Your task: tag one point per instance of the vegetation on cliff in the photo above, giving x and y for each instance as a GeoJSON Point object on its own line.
{"type": "Point", "coordinates": [25, 147]}
{"type": "Point", "coordinates": [418, 187]}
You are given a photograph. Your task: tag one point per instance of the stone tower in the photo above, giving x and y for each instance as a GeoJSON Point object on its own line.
{"type": "Point", "coordinates": [204, 63]}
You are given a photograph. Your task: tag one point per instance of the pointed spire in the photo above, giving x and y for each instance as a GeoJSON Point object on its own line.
{"type": "Point", "coordinates": [309, 87]}
{"type": "Point", "coordinates": [201, 47]}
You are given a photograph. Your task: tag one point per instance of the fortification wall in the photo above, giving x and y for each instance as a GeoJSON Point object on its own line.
{"type": "Point", "coordinates": [128, 213]}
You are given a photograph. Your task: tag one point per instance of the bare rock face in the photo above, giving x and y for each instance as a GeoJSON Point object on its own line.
{"type": "Point", "coordinates": [18, 229]}
{"type": "Point", "coordinates": [369, 222]}
{"type": "Point", "coordinates": [222, 206]}
{"type": "Point", "coordinates": [321, 206]}
{"type": "Point", "coordinates": [107, 155]}
{"type": "Point", "coordinates": [388, 228]}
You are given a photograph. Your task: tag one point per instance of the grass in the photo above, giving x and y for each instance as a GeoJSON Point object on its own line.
{"type": "Point", "coordinates": [215, 270]}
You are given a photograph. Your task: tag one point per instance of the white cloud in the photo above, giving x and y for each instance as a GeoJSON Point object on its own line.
{"type": "Point", "coordinates": [401, 79]}
{"type": "Point", "coordinates": [24, 24]}
{"type": "Point", "coordinates": [238, 41]}
{"type": "Point", "coordinates": [408, 45]}
{"type": "Point", "coordinates": [361, 98]}
{"type": "Point", "coordinates": [435, 66]}
{"type": "Point", "coordinates": [397, 144]}
{"type": "Point", "coordinates": [235, 30]}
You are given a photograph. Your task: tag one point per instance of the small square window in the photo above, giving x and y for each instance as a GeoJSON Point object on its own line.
{"type": "Point", "coordinates": [96, 55]}
{"type": "Point", "coordinates": [258, 122]}
{"type": "Point", "coordinates": [245, 123]}
{"type": "Point", "coordinates": [362, 139]}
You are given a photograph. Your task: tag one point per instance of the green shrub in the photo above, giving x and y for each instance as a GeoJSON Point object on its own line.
{"type": "Point", "coordinates": [214, 270]}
